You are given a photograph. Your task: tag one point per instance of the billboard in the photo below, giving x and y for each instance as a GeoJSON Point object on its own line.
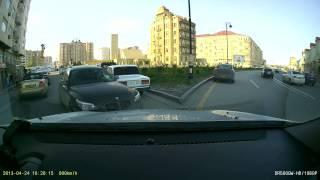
{"type": "Point", "coordinates": [238, 58]}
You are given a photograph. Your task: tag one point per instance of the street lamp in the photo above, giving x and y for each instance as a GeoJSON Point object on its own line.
{"type": "Point", "coordinates": [190, 42]}
{"type": "Point", "coordinates": [230, 26]}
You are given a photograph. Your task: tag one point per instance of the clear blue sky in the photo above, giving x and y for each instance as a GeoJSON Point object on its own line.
{"type": "Point", "coordinates": [282, 28]}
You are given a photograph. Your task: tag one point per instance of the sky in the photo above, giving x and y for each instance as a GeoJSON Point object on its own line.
{"type": "Point", "coordinates": [281, 28]}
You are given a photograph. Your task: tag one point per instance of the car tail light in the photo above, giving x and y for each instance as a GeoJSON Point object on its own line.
{"type": "Point", "coordinates": [42, 83]}
{"type": "Point", "coordinates": [145, 81]}
{"type": "Point", "coordinates": [123, 82]}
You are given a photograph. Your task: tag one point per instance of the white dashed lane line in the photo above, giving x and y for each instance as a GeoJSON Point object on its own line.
{"type": "Point", "coordinates": [254, 84]}
{"type": "Point", "coordinates": [295, 90]}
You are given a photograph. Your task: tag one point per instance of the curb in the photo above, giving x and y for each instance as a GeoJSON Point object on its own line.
{"type": "Point", "coordinates": [165, 95]}
{"type": "Point", "coordinates": [192, 89]}
{"type": "Point", "coordinates": [181, 99]}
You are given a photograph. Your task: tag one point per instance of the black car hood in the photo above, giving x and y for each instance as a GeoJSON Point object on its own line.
{"type": "Point", "coordinates": [102, 92]}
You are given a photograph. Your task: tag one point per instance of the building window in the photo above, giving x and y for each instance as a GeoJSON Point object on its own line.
{"type": "Point", "coordinates": [4, 26]}
{"type": "Point", "coordinates": [8, 4]}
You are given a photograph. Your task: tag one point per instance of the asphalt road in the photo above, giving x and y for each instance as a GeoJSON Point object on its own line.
{"type": "Point", "coordinates": [253, 94]}
{"type": "Point", "coordinates": [250, 93]}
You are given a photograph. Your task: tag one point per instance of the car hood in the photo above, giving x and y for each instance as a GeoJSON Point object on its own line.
{"type": "Point", "coordinates": [101, 92]}
{"type": "Point", "coordinates": [131, 77]}
{"type": "Point", "coordinates": [141, 116]}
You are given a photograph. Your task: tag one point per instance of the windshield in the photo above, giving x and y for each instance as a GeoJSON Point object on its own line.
{"type": "Point", "coordinates": [139, 55]}
{"type": "Point", "coordinates": [33, 76]}
{"type": "Point", "coordinates": [87, 76]}
{"type": "Point", "coordinates": [125, 70]}
{"type": "Point", "coordinates": [225, 66]}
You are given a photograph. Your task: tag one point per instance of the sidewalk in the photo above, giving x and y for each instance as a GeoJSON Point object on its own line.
{"type": "Point", "coordinates": [6, 100]}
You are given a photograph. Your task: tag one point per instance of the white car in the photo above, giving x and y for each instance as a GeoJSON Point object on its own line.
{"type": "Point", "coordinates": [294, 77]}
{"type": "Point", "coordinates": [130, 76]}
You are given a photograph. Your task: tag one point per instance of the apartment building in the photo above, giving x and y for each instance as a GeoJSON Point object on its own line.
{"type": "Point", "coordinates": [169, 44]}
{"type": "Point", "coordinates": [242, 50]}
{"type": "Point", "coordinates": [75, 52]}
{"type": "Point", "coordinates": [311, 57]}
{"type": "Point", "coordinates": [13, 24]}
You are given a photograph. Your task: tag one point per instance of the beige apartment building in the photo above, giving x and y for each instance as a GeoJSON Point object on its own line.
{"type": "Point", "coordinates": [170, 40]}
{"type": "Point", "coordinates": [242, 50]}
{"type": "Point", "coordinates": [293, 64]}
{"type": "Point", "coordinates": [311, 57]}
{"type": "Point", "coordinates": [33, 58]}
{"type": "Point", "coordinates": [75, 52]}
{"type": "Point", "coordinates": [13, 25]}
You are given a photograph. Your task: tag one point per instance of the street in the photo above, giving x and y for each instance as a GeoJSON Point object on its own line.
{"type": "Point", "coordinates": [250, 93]}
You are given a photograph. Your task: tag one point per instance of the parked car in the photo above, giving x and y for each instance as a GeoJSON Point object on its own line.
{"type": "Point", "coordinates": [130, 76]}
{"type": "Point", "coordinates": [310, 79]}
{"type": "Point", "coordinates": [33, 84]}
{"type": "Point", "coordinates": [293, 77]}
{"type": "Point", "coordinates": [90, 88]}
{"type": "Point", "coordinates": [224, 72]}
{"type": "Point", "coordinates": [267, 73]}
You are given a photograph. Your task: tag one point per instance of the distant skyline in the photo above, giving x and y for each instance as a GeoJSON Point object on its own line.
{"type": "Point", "coordinates": [280, 28]}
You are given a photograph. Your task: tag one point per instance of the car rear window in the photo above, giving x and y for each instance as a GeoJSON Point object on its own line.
{"type": "Point", "coordinates": [33, 76]}
{"type": "Point", "coordinates": [225, 66]}
{"type": "Point", "coordinates": [267, 69]}
{"type": "Point", "coordinates": [86, 76]}
{"type": "Point", "coordinates": [125, 70]}
{"type": "Point", "coordinates": [296, 72]}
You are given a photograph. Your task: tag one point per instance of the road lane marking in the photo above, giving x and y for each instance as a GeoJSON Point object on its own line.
{"type": "Point", "coordinates": [255, 84]}
{"type": "Point", "coordinates": [205, 97]}
{"type": "Point", "coordinates": [295, 90]}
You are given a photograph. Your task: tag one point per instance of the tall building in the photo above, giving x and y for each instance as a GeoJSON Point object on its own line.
{"type": "Point", "coordinates": [170, 40]}
{"type": "Point", "coordinates": [131, 53]}
{"type": "Point", "coordinates": [13, 24]}
{"type": "Point", "coordinates": [33, 58]}
{"type": "Point", "coordinates": [75, 52]}
{"type": "Point", "coordinates": [114, 47]}
{"type": "Point", "coordinates": [104, 53]}
{"type": "Point", "coordinates": [89, 51]}
{"type": "Point", "coordinates": [48, 60]}
{"type": "Point", "coordinates": [242, 50]}
{"type": "Point", "coordinates": [293, 63]}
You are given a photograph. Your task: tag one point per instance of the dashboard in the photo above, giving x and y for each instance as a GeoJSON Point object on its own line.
{"type": "Point", "coordinates": [273, 153]}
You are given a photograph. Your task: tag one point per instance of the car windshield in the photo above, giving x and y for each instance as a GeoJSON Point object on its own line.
{"type": "Point", "coordinates": [87, 76]}
{"type": "Point", "coordinates": [139, 55]}
{"type": "Point", "coordinates": [295, 72]}
{"type": "Point", "coordinates": [225, 66]}
{"type": "Point", "coordinates": [125, 70]}
{"type": "Point", "coordinates": [33, 76]}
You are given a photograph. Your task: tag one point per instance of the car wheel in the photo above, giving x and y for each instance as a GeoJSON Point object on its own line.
{"type": "Point", "coordinates": [232, 81]}
{"type": "Point", "coordinates": [141, 92]}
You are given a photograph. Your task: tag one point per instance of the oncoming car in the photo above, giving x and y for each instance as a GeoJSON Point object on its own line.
{"type": "Point", "coordinates": [90, 88]}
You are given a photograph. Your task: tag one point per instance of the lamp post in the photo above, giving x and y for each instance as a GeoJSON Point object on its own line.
{"type": "Point", "coordinates": [190, 43]}
{"type": "Point", "coordinates": [230, 26]}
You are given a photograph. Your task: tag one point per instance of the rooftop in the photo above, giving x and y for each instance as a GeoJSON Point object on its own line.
{"type": "Point", "coordinates": [220, 33]}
